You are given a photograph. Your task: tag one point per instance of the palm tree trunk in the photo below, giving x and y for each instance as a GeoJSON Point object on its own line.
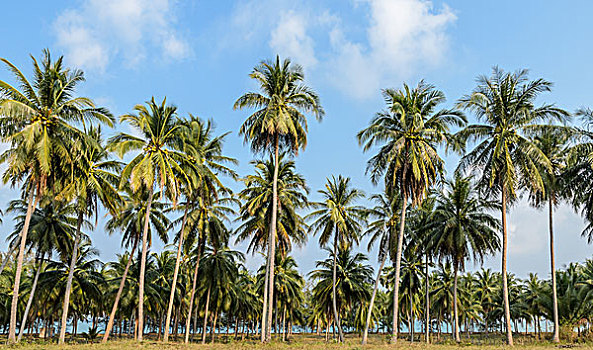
{"type": "Point", "coordinates": [427, 311]}
{"type": "Point", "coordinates": [8, 254]}
{"type": "Point", "coordinates": [205, 325]}
{"type": "Point", "coordinates": [192, 295]}
{"type": "Point", "coordinates": [505, 288]}
{"type": "Point", "coordinates": [72, 266]}
{"type": "Point", "coordinates": [455, 311]}
{"type": "Point", "coordinates": [398, 259]}
{"type": "Point", "coordinates": [264, 313]}
{"type": "Point", "coordinates": [213, 329]}
{"type": "Point", "coordinates": [175, 273]}
{"type": "Point", "coordinates": [334, 306]}
{"type": "Point", "coordinates": [370, 312]}
{"type": "Point", "coordinates": [30, 301]}
{"type": "Point", "coordinates": [272, 239]}
{"type": "Point", "coordinates": [122, 283]}
{"type": "Point", "coordinates": [19, 267]}
{"type": "Point", "coordinates": [284, 323]}
{"type": "Point", "coordinates": [556, 336]}
{"type": "Point", "coordinates": [143, 266]}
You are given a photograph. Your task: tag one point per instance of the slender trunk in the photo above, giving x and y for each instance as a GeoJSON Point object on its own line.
{"type": "Point", "coordinates": [8, 254]}
{"type": "Point", "coordinates": [192, 295]}
{"type": "Point", "coordinates": [427, 311]}
{"type": "Point", "coordinates": [143, 265]}
{"type": "Point", "coordinates": [505, 288]}
{"type": "Point", "coordinates": [175, 273]}
{"type": "Point", "coordinates": [272, 239]}
{"type": "Point", "coordinates": [334, 303]}
{"type": "Point", "coordinates": [19, 268]}
{"type": "Point", "coordinates": [398, 258]}
{"type": "Point", "coordinates": [73, 259]}
{"type": "Point", "coordinates": [370, 312]}
{"type": "Point", "coordinates": [213, 329]}
{"type": "Point", "coordinates": [205, 325]}
{"type": "Point", "coordinates": [30, 301]}
{"type": "Point", "coordinates": [264, 313]}
{"type": "Point", "coordinates": [411, 315]}
{"type": "Point", "coordinates": [284, 324]}
{"type": "Point", "coordinates": [556, 336]}
{"type": "Point", "coordinates": [455, 311]}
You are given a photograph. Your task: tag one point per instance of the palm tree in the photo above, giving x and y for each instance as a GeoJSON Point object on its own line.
{"type": "Point", "coordinates": [554, 145]}
{"type": "Point", "coordinates": [160, 160]}
{"type": "Point", "coordinates": [37, 121]}
{"type": "Point", "coordinates": [382, 229]}
{"type": "Point", "coordinates": [409, 133]}
{"type": "Point", "coordinates": [504, 158]}
{"type": "Point", "coordinates": [462, 227]}
{"type": "Point", "coordinates": [205, 154]}
{"type": "Point", "coordinates": [95, 182]}
{"type": "Point", "coordinates": [338, 215]}
{"type": "Point", "coordinates": [258, 200]}
{"type": "Point", "coordinates": [129, 221]}
{"type": "Point", "coordinates": [278, 123]}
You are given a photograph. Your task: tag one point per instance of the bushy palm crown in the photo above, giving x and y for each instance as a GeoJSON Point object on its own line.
{"type": "Point", "coordinates": [256, 210]}
{"type": "Point", "coordinates": [383, 220]}
{"type": "Point", "coordinates": [337, 213]}
{"type": "Point", "coordinates": [279, 107]}
{"type": "Point", "coordinates": [505, 156]}
{"type": "Point", "coordinates": [409, 132]}
{"type": "Point", "coordinates": [39, 120]}
{"type": "Point", "coordinates": [461, 225]}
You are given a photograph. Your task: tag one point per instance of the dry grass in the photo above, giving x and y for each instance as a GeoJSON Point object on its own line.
{"type": "Point", "coordinates": [311, 342]}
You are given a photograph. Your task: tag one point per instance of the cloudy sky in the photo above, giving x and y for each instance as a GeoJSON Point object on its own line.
{"type": "Point", "coordinates": [199, 53]}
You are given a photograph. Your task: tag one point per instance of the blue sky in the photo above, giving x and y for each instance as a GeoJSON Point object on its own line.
{"type": "Point", "coordinates": [198, 54]}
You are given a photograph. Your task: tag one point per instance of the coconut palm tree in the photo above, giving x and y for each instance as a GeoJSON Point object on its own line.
{"type": "Point", "coordinates": [409, 132]}
{"type": "Point", "coordinates": [160, 160]}
{"type": "Point", "coordinates": [279, 122]}
{"type": "Point", "coordinates": [505, 160]}
{"type": "Point", "coordinates": [382, 229]}
{"type": "Point", "coordinates": [340, 217]}
{"type": "Point", "coordinates": [39, 120]}
{"type": "Point", "coordinates": [205, 154]}
{"type": "Point", "coordinates": [129, 221]}
{"type": "Point", "coordinates": [462, 227]}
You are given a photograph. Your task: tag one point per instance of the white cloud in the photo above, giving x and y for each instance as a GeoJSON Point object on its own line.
{"type": "Point", "coordinates": [100, 30]}
{"type": "Point", "coordinates": [289, 39]}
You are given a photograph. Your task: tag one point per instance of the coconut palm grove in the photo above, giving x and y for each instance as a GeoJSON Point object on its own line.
{"type": "Point", "coordinates": [210, 253]}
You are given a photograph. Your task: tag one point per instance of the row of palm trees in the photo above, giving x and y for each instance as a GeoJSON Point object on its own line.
{"type": "Point", "coordinates": [172, 181]}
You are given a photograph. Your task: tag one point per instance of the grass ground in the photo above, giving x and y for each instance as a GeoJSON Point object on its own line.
{"type": "Point", "coordinates": [309, 342]}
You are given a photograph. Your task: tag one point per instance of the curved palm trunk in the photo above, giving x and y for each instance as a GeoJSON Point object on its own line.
{"type": "Point", "coordinates": [19, 268]}
{"type": "Point", "coordinates": [334, 306]}
{"type": "Point", "coordinates": [455, 311]}
{"type": "Point", "coordinates": [30, 301]}
{"type": "Point", "coordinates": [175, 273]}
{"type": "Point", "coordinates": [118, 295]}
{"type": "Point", "coordinates": [272, 241]}
{"type": "Point", "coordinates": [398, 260]}
{"type": "Point", "coordinates": [556, 336]}
{"type": "Point", "coordinates": [370, 312]}
{"type": "Point", "coordinates": [205, 326]}
{"type": "Point", "coordinates": [427, 311]}
{"type": "Point", "coordinates": [192, 295]}
{"type": "Point", "coordinates": [143, 267]}
{"type": "Point", "coordinates": [505, 288]}
{"type": "Point", "coordinates": [8, 254]}
{"type": "Point", "coordinates": [73, 259]}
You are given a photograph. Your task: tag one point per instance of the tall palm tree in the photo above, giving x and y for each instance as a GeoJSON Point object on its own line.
{"type": "Point", "coordinates": [409, 132]}
{"type": "Point", "coordinates": [130, 221]}
{"type": "Point", "coordinates": [505, 159]}
{"type": "Point", "coordinates": [340, 217]}
{"type": "Point", "coordinates": [205, 154]}
{"type": "Point", "coordinates": [554, 145]}
{"type": "Point", "coordinates": [159, 161]}
{"type": "Point", "coordinates": [94, 182]}
{"type": "Point", "coordinates": [278, 123]}
{"type": "Point", "coordinates": [383, 229]}
{"type": "Point", "coordinates": [462, 227]}
{"type": "Point", "coordinates": [38, 121]}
